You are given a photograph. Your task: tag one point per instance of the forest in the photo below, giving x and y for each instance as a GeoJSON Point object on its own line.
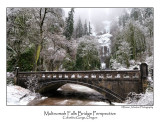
{"type": "Point", "coordinates": [44, 39]}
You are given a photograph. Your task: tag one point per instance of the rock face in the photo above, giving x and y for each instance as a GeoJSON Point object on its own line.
{"type": "Point", "coordinates": [104, 50]}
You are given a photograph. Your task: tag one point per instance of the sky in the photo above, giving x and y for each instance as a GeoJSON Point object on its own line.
{"type": "Point", "coordinates": [100, 18]}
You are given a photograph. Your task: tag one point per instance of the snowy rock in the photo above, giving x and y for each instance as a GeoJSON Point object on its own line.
{"type": "Point", "coordinates": [15, 95]}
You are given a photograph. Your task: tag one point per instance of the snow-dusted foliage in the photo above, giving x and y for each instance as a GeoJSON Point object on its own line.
{"type": "Point", "coordinates": [146, 98]}
{"type": "Point", "coordinates": [123, 53]}
{"type": "Point", "coordinates": [31, 28]}
{"type": "Point", "coordinates": [115, 65]}
{"type": "Point", "coordinates": [10, 77]}
{"type": "Point", "coordinates": [90, 43]}
{"type": "Point", "coordinates": [118, 66]}
{"type": "Point", "coordinates": [56, 51]}
{"type": "Point", "coordinates": [136, 29]}
{"type": "Point", "coordinates": [32, 83]}
{"type": "Point", "coordinates": [87, 57]}
{"type": "Point", "coordinates": [149, 60]}
{"type": "Point", "coordinates": [140, 99]}
{"type": "Point", "coordinates": [18, 23]}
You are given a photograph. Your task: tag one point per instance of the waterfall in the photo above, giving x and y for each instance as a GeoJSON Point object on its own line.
{"type": "Point", "coordinates": [103, 50]}
{"type": "Point", "coordinates": [103, 65]}
{"type": "Point", "coordinates": [104, 41]}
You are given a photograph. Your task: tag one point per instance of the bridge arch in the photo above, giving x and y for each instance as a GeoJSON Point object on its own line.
{"type": "Point", "coordinates": [54, 85]}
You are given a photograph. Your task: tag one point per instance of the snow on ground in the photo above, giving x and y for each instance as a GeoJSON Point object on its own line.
{"type": "Point", "coordinates": [17, 95]}
{"type": "Point", "coordinates": [145, 99]}
{"type": "Point", "coordinates": [97, 103]}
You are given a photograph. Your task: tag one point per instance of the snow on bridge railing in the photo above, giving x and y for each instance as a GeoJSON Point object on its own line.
{"type": "Point", "coordinates": [108, 74]}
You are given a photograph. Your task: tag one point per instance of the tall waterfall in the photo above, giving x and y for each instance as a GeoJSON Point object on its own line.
{"type": "Point", "coordinates": [104, 49]}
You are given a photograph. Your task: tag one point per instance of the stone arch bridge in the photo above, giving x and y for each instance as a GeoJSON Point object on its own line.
{"type": "Point", "coordinates": [114, 85]}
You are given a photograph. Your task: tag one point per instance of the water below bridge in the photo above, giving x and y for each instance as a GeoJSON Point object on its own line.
{"type": "Point", "coordinates": [71, 95]}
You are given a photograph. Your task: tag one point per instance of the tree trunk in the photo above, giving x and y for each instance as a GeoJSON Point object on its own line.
{"type": "Point", "coordinates": [39, 46]}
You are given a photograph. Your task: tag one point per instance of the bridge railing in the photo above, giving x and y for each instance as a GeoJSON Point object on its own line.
{"type": "Point", "coordinates": [128, 75]}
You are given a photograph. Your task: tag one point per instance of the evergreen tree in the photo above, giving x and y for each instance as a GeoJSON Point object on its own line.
{"type": "Point", "coordinates": [133, 35]}
{"type": "Point", "coordinates": [123, 19]}
{"type": "Point", "coordinates": [85, 28]}
{"type": "Point", "coordinates": [89, 29]}
{"type": "Point", "coordinates": [135, 13]}
{"type": "Point", "coordinates": [79, 29]}
{"type": "Point", "coordinates": [123, 53]}
{"type": "Point", "coordinates": [148, 12]}
{"type": "Point", "coordinates": [68, 31]}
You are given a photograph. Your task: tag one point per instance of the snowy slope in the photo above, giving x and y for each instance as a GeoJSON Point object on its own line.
{"type": "Point", "coordinates": [17, 95]}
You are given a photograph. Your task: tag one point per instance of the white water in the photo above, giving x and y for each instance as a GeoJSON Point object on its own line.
{"type": "Point", "coordinates": [103, 65]}
{"type": "Point", "coordinates": [104, 41]}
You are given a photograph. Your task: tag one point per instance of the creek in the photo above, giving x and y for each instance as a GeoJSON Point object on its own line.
{"type": "Point", "coordinates": [71, 95]}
